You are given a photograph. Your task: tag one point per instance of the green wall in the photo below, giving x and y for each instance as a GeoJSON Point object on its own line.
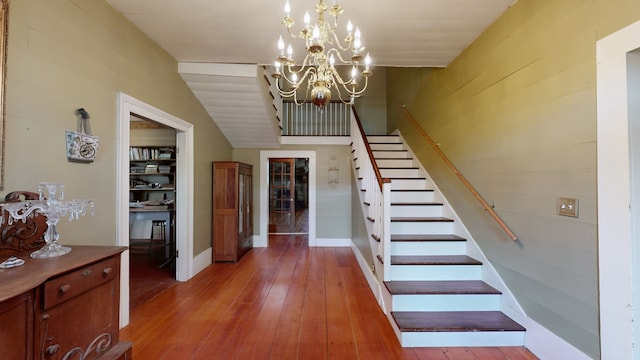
{"type": "Point", "coordinates": [516, 114]}
{"type": "Point", "coordinates": [66, 54]}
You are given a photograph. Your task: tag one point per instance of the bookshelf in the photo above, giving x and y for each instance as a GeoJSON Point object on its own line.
{"type": "Point", "coordinates": [152, 177]}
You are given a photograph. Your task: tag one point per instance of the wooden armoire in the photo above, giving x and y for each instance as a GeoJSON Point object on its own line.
{"type": "Point", "coordinates": [232, 233]}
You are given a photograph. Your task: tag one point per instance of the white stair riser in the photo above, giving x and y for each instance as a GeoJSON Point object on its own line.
{"type": "Point", "coordinates": [431, 302]}
{"type": "Point", "coordinates": [416, 210]}
{"type": "Point", "coordinates": [411, 196]}
{"type": "Point", "coordinates": [389, 154]}
{"type": "Point", "coordinates": [435, 272]}
{"type": "Point", "coordinates": [422, 227]}
{"type": "Point", "coordinates": [399, 173]}
{"type": "Point", "coordinates": [383, 139]}
{"type": "Point", "coordinates": [408, 184]}
{"type": "Point", "coordinates": [388, 163]}
{"type": "Point", "coordinates": [466, 339]}
{"type": "Point", "coordinates": [410, 248]}
{"type": "Point", "coordinates": [386, 146]}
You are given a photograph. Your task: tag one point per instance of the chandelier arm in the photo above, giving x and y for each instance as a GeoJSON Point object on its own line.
{"type": "Point", "coordinates": [348, 85]}
{"type": "Point", "coordinates": [338, 54]}
{"type": "Point", "coordinates": [341, 98]}
{"type": "Point", "coordinates": [340, 81]}
{"type": "Point", "coordinates": [284, 93]}
{"type": "Point", "coordinates": [348, 42]}
{"type": "Point", "coordinates": [293, 71]}
{"type": "Point", "coordinates": [357, 93]}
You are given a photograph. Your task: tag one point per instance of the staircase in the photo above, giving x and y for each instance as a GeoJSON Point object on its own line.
{"type": "Point", "coordinates": [433, 290]}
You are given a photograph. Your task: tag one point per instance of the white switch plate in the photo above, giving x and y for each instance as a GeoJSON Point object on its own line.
{"type": "Point", "coordinates": [568, 206]}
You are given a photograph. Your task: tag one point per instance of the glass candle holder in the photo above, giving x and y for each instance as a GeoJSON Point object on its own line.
{"type": "Point", "coordinates": [52, 205]}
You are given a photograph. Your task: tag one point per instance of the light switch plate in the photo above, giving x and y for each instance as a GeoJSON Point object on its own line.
{"type": "Point", "coordinates": [568, 206]}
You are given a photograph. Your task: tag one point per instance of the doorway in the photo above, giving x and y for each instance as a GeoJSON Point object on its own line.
{"type": "Point", "coordinates": [263, 239]}
{"type": "Point", "coordinates": [152, 177]}
{"type": "Point", "coordinates": [127, 106]}
{"type": "Point", "coordinates": [288, 195]}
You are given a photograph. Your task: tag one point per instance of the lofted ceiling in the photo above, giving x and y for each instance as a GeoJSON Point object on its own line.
{"type": "Point", "coordinates": [404, 33]}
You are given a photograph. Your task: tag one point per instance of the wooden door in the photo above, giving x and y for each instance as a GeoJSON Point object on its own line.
{"type": "Point", "coordinates": [281, 195]}
{"type": "Point", "coordinates": [225, 211]}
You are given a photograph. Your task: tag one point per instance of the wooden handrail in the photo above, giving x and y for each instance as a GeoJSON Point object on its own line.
{"type": "Point", "coordinates": [435, 147]}
{"type": "Point", "coordinates": [376, 170]}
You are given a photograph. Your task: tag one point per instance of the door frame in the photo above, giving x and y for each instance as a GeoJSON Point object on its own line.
{"type": "Point", "coordinates": [128, 105]}
{"type": "Point", "coordinates": [263, 240]}
{"type": "Point", "coordinates": [617, 231]}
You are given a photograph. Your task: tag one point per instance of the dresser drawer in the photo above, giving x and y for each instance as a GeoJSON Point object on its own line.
{"type": "Point", "coordinates": [67, 286]}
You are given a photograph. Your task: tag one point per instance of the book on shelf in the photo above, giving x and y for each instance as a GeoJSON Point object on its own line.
{"type": "Point", "coordinates": [150, 153]}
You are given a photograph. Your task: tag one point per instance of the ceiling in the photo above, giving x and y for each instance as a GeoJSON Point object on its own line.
{"type": "Point", "coordinates": [404, 33]}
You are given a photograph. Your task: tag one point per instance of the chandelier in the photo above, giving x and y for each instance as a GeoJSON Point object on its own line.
{"type": "Point", "coordinates": [324, 51]}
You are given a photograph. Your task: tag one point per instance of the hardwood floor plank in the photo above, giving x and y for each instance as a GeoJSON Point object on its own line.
{"type": "Point", "coordinates": [313, 335]}
{"type": "Point", "coordinates": [517, 353]}
{"type": "Point", "coordinates": [287, 301]}
{"type": "Point", "coordinates": [340, 336]}
{"type": "Point", "coordinates": [432, 354]}
{"type": "Point", "coordinates": [460, 353]}
{"type": "Point", "coordinates": [266, 320]}
{"type": "Point", "coordinates": [489, 353]}
{"type": "Point", "coordinates": [286, 339]}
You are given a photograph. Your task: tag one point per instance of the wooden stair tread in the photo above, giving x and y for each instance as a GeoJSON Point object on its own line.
{"type": "Point", "coordinates": [407, 178]}
{"type": "Point", "coordinates": [416, 204]}
{"type": "Point", "coordinates": [453, 321]}
{"type": "Point", "coordinates": [398, 168]}
{"type": "Point", "coordinates": [456, 287]}
{"type": "Point", "coordinates": [399, 158]}
{"type": "Point", "coordinates": [426, 237]}
{"type": "Point", "coordinates": [414, 190]}
{"type": "Point", "coordinates": [421, 219]}
{"type": "Point", "coordinates": [434, 260]}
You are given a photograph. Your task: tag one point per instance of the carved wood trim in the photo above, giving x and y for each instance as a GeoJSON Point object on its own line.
{"type": "Point", "coordinates": [19, 237]}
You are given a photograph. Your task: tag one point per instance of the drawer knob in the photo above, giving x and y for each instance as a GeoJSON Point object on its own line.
{"type": "Point", "coordinates": [107, 271]}
{"type": "Point", "coordinates": [64, 288]}
{"type": "Point", "coordinates": [86, 272]}
{"type": "Point", "coordinates": [52, 349]}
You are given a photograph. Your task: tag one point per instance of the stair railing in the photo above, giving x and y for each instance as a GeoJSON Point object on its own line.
{"type": "Point", "coordinates": [466, 183]}
{"type": "Point", "coordinates": [377, 196]}
{"type": "Point", "coordinates": [307, 120]}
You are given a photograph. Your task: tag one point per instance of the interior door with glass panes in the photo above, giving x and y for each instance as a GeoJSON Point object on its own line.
{"type": "Point", "coordinates": [281, 195]}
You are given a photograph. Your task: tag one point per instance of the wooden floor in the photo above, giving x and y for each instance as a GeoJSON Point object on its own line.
{"type": "Point", "coordinates": [147, 279]}
{"type": "Point", "coordinates": [287, 301]}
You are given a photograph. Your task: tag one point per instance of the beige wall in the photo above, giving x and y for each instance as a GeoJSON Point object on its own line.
{"type": "Point", "coordinates": [66, 54]}
{"type": "Point", "coordinates": [516, 113]}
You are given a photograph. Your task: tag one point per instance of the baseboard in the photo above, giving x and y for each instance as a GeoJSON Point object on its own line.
{"type": "Point", "coordinates": [368, 274]}
{"type": "Point", "coordinates": [320, 242]}
{"type": "Point", "coordinates": [546, 345]}
{"type": "Point", "coordinates": [201, 261]}
{"type": "Point", "coordinates": [260, 241]}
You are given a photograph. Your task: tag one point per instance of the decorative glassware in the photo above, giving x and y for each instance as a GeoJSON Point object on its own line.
{"type": "Point", "coordinates": [52, 205]}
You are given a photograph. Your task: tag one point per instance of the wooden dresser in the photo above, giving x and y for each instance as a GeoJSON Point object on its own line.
{"type": "Point", "coordinates": [65, 307]}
